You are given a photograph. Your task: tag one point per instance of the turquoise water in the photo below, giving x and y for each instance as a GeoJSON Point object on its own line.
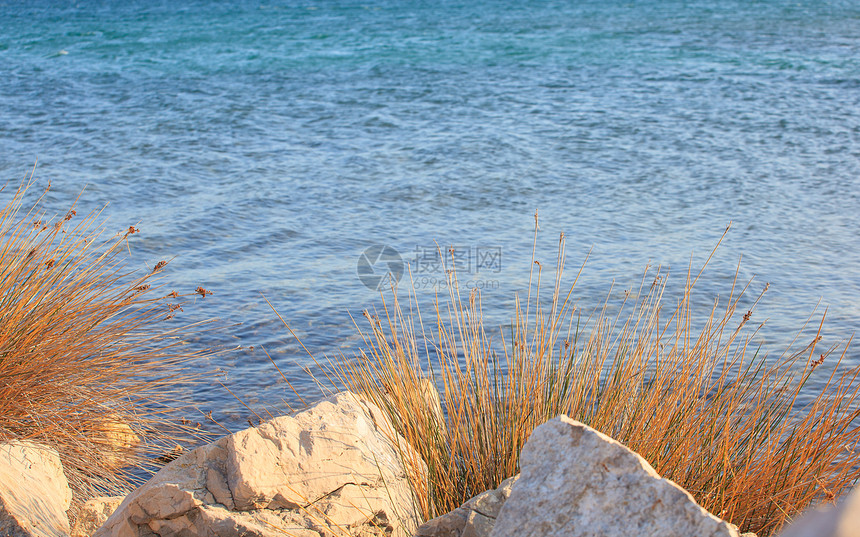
{"type": "Point", "coordinates": [266, 145]}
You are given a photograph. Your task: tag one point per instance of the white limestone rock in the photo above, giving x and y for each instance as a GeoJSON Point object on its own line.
{"type": "Point", "coordinates": [94, 513]}
{"type": "Point", "coordinates": [426, 390]}
{"type": "Point", "coordinates": [326, 470]}
{"type": "Point", "coordinates": [475, 518]}
{"type": "Point", "coordinates": [434, 404]}
{"type": "Point", "coordinates": [34, 492]}
{"type": "Point", "coordinates": [115, 439]}
{"type": "Point", "coordinates": [841, 520]}
{"type": "Point", "coordinates": [576, 481]}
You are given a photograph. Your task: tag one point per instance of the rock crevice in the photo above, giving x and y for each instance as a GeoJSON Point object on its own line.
{"type": "Point", "coordinates": [329, 468]}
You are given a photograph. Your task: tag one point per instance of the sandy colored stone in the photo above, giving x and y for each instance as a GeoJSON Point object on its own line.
{"type": "Point", "coordinates": [290, 462]}
{"type": "Point", "coordinates": [331, 466]}
{"type": "Point", "coordinates": [447, 525]}
{"type": "Point", "coordinates": [475, 518]}
{"type": "Point", "coordinates": [575, 481]}
{"type": "Point", "coordinates": [93, 514]}
{"type": "Point", "coordinates": [841, 520]}
{"type": "Point", "coordinates": [116, 439]}
{"type": "Point", "coordinates": [432, 403]}
{"type": "Point", "coordinates": [34, 492]}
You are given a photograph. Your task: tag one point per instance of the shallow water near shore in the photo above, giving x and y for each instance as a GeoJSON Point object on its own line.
{"type": "Point", "coordinates": [264, 147]}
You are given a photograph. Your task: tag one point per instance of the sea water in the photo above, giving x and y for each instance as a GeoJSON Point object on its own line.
{"type": "Point", "coordinates": [295, 151]}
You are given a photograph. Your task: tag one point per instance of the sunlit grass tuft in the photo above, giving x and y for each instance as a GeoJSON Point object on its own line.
{"type": "Point", "coordinates": [685, 388]}
{"type": "Point", "coordinates": [89, 362]}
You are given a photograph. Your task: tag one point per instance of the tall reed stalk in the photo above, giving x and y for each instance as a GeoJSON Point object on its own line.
{"type": "Point", "coordinates": [686, 388]}
{"type": "Point", "coordinates": [89, 362]}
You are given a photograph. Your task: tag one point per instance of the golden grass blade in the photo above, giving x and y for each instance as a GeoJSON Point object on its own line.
{"type": "Point", "coordinates": [686, 390]}
{"type": "Point", "coordinates": [87, 356]}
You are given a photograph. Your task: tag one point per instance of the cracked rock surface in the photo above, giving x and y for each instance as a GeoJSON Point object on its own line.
{"type": "Point", "coordinates": [840, 520]}
{"type": "Point", "coordinates": [34, 493]}
{"type": "Point", "coordinates": [93, 514]}
{"type": "Point", "coordinates": [329, 470]}
{"type": "Point", "coordinates": [475, 518]}
{"type": "Point", "coordinates": [576, 481]}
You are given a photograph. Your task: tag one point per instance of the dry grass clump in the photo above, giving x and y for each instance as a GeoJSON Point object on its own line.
{"type": "Point", "coordinates": [87, 363]}
{"type": "Point", "coordinates": [685, 388]}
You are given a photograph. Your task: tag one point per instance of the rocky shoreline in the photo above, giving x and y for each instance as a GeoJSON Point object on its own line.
{"type": "Point", "coordinates": [334, 470]}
